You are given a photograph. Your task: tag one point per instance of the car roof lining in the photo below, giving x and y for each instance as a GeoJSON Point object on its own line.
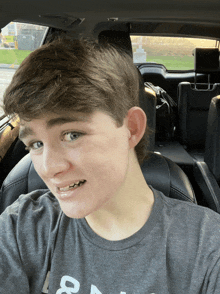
{"type": "Point", "coordinates": [74, 26]}
{"type": "Point", "coordinates": [86, 17]}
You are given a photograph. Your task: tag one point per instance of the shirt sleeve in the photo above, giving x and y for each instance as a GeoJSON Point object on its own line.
{"type": "Point", "coordinates": [27, 233]}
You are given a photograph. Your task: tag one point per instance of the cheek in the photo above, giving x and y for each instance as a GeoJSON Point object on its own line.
{"type": "Point", "coordinates": [107, 163]}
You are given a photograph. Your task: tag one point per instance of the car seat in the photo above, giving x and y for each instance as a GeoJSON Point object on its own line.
{"type": "Point", "coordinates": [194, 100]}
{"type": "Point", "coordinates": [207, 172]}
{"type": "Point", "coordinates": [212, 147]}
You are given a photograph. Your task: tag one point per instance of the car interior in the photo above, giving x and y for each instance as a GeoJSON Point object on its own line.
{"type": "Point", "coordinates": [184, 165]}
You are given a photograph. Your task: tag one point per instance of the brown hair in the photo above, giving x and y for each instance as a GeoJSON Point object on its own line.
{"type": "Point", "coordinates": [76, 75]}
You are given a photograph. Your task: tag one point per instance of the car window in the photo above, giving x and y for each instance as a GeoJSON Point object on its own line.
{"type": "Point", "coordinates": [17, 41]}
{"type": "Point", "coordinates": [173, 52]}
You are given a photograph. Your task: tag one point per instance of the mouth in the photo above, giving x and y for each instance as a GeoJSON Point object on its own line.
{"type": "Point", "coordinates": [71, 187]}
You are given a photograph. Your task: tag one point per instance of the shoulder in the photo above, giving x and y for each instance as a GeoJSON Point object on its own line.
{"type": "Point", "coordinates": [190, 210]}
{"type": "Point", "coordinates": [188, 219]}
{"type": "Point", "coordinates": [34, 198]}
{"type": "Point", "coordinates": [28, 230]}
{"type": "Point", "coordinates": [32, 221]}
{"type": "Point", "coordinates": [39, 206]}
{"type": "Point", "coordinates": [190, 235]}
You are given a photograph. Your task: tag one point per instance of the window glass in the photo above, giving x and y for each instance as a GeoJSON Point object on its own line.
{"type": "Point", "coordinates": [173, 52]}
{"type": "Point", "coordinates": [17, 41]}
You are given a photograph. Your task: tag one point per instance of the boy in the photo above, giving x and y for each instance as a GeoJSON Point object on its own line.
{"type": "Point", "coordinates": [106, 230]}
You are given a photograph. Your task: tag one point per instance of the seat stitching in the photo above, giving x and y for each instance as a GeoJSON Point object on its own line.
{"type": "Point", "coordinates": [182, 193]}
{"type": "Point", "coordinates": [18, 181]}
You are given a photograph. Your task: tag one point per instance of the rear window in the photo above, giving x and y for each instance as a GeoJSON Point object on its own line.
{"type": "Point", "coordinates": [173, 52]}
{"type": "Point", "coordinates": [17, 41]}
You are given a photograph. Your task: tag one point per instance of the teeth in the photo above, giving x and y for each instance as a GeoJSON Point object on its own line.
{"type": "Point", "coordinates": [64, 189]}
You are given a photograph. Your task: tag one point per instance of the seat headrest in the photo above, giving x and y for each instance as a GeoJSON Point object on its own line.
{"type": "Point", "coordinates": [118, 39]}
{"type": "Point", "coordinates": [206, 60]}
{"type": "Point", "coordinates": [166, 176]}
{"type": "Point", "coordinates": [212, 146]}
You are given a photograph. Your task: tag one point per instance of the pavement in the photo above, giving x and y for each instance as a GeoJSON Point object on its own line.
{"type": "Point", "coordinates": [13, 66]}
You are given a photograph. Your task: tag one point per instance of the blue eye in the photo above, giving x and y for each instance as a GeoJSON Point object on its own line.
{"type": "Point", "coordinates": [71, 136]}
{"type": "Point", "coordinates": [34, 146]}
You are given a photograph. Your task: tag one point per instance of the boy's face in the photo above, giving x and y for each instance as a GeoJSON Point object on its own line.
{"type": "Point", "coordinates": [73, 147]}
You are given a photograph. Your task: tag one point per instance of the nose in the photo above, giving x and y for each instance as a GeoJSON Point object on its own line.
{"type": "Point", "coordinates": [54, 162]}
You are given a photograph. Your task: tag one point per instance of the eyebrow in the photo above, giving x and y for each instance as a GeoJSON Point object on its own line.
{"type": "Point", "coordinates": [63, 120]}
{"type": "Point", "coordinates": [27, 131]}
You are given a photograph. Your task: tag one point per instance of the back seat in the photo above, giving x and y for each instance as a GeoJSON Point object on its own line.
{"type": "Point", "coordinates": [207, 171]}
{"type": "Point", "coordinates": [194, 100]}
{"type": "Point", "coordinates": [188, 152]}
{"type": "Point", "coordinates": [212, 147]}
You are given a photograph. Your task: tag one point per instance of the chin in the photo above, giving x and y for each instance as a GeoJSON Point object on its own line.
{"type": "Point", "coordinates": [72, 211]}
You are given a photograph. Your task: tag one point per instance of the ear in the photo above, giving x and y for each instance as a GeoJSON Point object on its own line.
{"type": "Point", "coordinates": [136, 122]}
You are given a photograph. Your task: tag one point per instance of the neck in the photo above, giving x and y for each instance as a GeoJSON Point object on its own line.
{"type": "Point", "coordinates": [127, 211]}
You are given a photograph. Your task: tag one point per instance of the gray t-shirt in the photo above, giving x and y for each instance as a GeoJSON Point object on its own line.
{"type": "Point", "coordinates": [177, 251]}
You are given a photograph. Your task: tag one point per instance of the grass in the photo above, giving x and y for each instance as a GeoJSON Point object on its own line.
{"type": "Point", "coordinates": [13, 56]}
{"type": "Point", "coordinates": [174, 62]}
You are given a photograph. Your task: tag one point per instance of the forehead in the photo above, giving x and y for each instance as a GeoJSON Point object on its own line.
{"type": "Point", "coordinates": [52, 120]}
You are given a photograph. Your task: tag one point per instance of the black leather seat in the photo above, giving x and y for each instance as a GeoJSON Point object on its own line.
{"type": "Point", "coordinates": [166, 176]}
{"type": "Point", "coordinates": [194, 100]}
{"type": "Point", "coordinates": [159, 172]}
{"type": "Point", "coordinates": [21, 180]}
{"type": "Point", "coordinates": [207, 172]}
{"type": "Point", "coordinates": [212, 147]}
